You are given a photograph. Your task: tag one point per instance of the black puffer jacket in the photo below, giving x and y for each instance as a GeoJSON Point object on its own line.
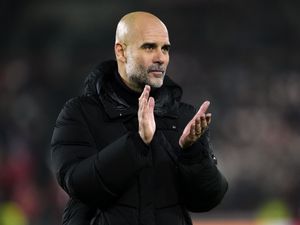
{"type": "Point", "coordinates": [112, 177]}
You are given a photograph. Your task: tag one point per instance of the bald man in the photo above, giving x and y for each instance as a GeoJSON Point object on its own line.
{"type": "Point", "coordinates": [128, 151]}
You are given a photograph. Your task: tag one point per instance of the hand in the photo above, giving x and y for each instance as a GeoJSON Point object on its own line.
{"type": "Point", "coordinates": [146, 119]}
{"type": "Point", "coordinates": [196, 127]}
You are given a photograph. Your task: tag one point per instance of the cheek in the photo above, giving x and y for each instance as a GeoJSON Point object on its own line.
{"type": "Point", "coordinates": [143, 61]}
{"type": "Point", "coordinates": [135, 59]}
{"type": "Point", "coordinates": [139, 60]}
{"type": "Point", "coordinates": [167, 59]}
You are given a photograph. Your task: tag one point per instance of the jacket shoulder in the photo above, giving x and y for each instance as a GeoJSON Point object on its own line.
{"type": "Point", "coordinates": [79, 102]}
{"type": "Point", "coordinates": [77, 110]}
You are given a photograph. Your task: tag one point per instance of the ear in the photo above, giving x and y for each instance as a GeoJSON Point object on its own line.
{"type": "Point", "coordinates": [120, 52]}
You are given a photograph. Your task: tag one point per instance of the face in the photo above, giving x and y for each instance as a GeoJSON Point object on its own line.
{"type": "Point", "coordinates": [147, 57]}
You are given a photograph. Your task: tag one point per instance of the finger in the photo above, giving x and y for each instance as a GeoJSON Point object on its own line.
{"type": "Point", "coordinates": [145, 93]}
{"type": "Point", "coordinates": [142, 107]}
{"type": "Point", "coordinates": [203, 123]}
{"type": "Point", "coordinates": [142, 95]}
{"type": "Point", "coordinates": [144, 98]}
{"type": "Point", "coordinates": [203, 108]}
{"type": "Point", "coordinates": [198, 126]}
{"type": "Point", "coordinates": [143, 104]}
{"type": "Point", "coordinates": [151, 103]}
{"type": "Point", "coordinates": [208, 118]}
{"type": "Point", "coordinates": [192, 130]}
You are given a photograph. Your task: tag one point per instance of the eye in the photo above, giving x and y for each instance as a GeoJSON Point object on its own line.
{"type": "Point", "coordinates": [166, 48]}
{"type": "Point", "coordinates": [149, 46]}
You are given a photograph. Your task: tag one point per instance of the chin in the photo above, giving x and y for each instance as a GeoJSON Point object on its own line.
{"type": "Point", "coordinates": [157, 83]}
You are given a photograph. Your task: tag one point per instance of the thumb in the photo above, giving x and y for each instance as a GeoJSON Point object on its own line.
{"type": "Point", "coordinates": [203, 108]}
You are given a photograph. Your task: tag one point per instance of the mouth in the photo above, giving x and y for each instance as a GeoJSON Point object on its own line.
{"type": "Point", "coordinates": [157, 73]}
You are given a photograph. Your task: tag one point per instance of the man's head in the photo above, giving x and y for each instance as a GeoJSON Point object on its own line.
{"type": "Point", "coordinates": [142, 50]}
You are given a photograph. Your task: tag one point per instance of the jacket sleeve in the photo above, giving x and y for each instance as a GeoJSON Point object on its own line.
{"type": "Point", "coordinates": [94, 176]}
{"type": "Point", "coordinates": [202, 184]}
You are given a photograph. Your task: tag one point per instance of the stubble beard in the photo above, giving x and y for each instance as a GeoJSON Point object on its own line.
{"type": "Point", "coordinates": [138, 75]}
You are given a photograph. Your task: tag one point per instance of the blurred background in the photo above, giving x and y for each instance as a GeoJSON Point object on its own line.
{"type": "Point", "coordinates": [243, 56]}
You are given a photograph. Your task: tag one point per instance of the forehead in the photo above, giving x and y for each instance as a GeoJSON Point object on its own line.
{"type": "Point", "coordinates": [151, 31]}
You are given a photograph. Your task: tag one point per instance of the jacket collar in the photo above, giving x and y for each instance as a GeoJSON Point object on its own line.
{"type": "Point", "coordinates": [98, 82]}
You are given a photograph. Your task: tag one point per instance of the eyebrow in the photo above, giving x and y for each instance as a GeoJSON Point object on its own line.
{"type": "Point", "coordinates": [154, 45]}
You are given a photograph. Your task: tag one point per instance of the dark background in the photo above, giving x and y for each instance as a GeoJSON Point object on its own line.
{"type": "Point", "coordinates": [243, 56]}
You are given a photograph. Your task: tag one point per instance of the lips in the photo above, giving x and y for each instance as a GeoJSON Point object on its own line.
{"type": "Point", "coordinates": [156, 70]}
{"type": "Point", "coordinates": [157, 73]}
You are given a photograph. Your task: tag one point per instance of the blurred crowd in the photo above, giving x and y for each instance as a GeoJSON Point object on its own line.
{"type": "Point", "coordinates": [247, 67]}
{"type": "Point", "coordinates": [27, 110]}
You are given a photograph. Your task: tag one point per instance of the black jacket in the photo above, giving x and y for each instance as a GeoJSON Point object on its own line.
{"type": "Point", "coordinates": [112, 177]}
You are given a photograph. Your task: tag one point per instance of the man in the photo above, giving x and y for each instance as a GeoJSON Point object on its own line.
{"type": "Point", "coordinates": [128, 151]}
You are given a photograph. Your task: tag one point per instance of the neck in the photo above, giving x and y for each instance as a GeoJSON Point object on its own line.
{"type": "Point", "coordinates": [124, 91]}
{"type": "Point", "coordinates": [132, 86]}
